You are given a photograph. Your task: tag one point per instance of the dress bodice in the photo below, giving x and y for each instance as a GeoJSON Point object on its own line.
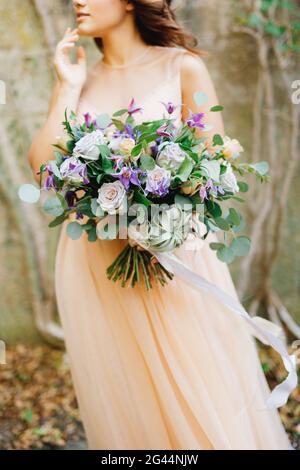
{"type": "Point", "coordinates": [150, 81]}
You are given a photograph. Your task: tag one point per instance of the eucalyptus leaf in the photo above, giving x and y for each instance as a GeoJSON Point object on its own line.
{"type": "Point", "coordinates": [241, 246]}
{"type": "Point", "coordinates": [262, 168]}
{"type": "Point", "coordinates": [74, 230]}
{"type": "Point", "coordinates": [226, 254]}
{"type": "Point", "coordinates": [53, 206]}
{"type": "Point", "coordinates": [222, 223]}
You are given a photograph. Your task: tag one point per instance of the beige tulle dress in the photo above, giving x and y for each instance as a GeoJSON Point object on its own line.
{"type": "Point", "coordinates": [169, 368]}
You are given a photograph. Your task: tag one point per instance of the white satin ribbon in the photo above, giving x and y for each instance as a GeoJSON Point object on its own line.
{"type": "Point", "coordinates": [262, 329]}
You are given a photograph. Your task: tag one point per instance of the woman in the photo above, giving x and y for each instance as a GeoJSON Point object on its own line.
{"type": "Point", "coordinates": [171, 368]}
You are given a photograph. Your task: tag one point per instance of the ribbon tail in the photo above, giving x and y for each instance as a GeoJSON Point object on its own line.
{"type": "Point", "coordinates": [263, 330]}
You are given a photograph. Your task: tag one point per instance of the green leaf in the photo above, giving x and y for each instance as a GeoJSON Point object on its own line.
{"type": "Point", "coordinates": [121, 112]}
{"type": "Point", "coordinates": [185, 169]}
{"type": "Point", "coordinates": [136, 150]}
{"type": "Point", "coordinates": [214, 208]}
{"type": "Point", "coordinates": [233, 217]}
{"type": "Point", "coordinates": [53, 206]}
{"type": "Point", "coordinates": [147, 162]}
{"type": "Point", "coordinates": [92, 234]}
{"type": "Point", "coordinates": [261, 168]}
{"type": "Point", "coordinates": [58, 220]}
{"type": "Point", "coordinates": [140, 198]}
{"type": "Point", "coordinates": [104, 150]}
{"type": "Point", "coordinates": [96, 208]}
{"type": "Point", "coordinates": [222, 223]}
{"type": "Point", "coordinates": [29, 193]}
{"type": "Point", "coordinates": [217, 140]}
{"type": "Point", "coordinates": [226, 254]}
{"type": "Point", "coordinates": [241, 246]}
{"type": "Point", "coordinates": [243, 187]}
{"type": "Point", "coordinates": [216, 246]}
{"type": "Point", "coordinates": [183, 201]}
{"type": "Point", "coordinates": [74, 230]}
{"type": "Point", "coordinates": [217, 108]}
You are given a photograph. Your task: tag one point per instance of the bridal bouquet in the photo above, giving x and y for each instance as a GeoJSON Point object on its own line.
{"type": "Point", "coordinates": [156, 180]}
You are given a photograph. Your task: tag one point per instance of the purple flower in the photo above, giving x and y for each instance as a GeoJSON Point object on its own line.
{"type": "Point", "coordinates": [203, 193]}
{"type": "Point", "coordinates": [204, 190]}
{"type": "Point", "coordinates": [87, 119]}
{"type": "Point", "coordinates": [164, 131]}
{"type": "Point", "coordinates": [128, 175]}
{"type": "Point", "coordinates": [70, 197]}
{"type": "Point", "coordinates": [194, 120]}
{"type": "Point", "coordinates": [133, 108]}
{"type": "Point", "coordinates": [158, 182]}
{"type": "Point", "coordinates": [49, 182]}
{"type": "Point", "coordinates": [73, 171]}
{"type": "Point", "coordinates": [170, 107]}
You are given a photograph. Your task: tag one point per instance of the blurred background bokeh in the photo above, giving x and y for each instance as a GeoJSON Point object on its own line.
{"type": "Point", "coordinates": [253, 58]}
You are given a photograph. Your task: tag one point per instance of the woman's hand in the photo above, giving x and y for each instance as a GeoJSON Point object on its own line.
{"type": "Point", "coordinates": [69, 74]}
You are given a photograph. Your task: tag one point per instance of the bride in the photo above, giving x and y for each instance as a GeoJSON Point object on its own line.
{"type": "Point", "coordinates": [170, 368]}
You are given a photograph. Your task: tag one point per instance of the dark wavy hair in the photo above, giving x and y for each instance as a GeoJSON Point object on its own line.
{"type": "Point", "coordinates": [157, 25]}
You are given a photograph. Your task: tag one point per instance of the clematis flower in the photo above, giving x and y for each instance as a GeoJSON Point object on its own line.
{"type": "Point", "coordinates": [128, 175]}
{"type": "Point", "coordinates": [164, 131]}
{"type": "Point", "coordinates": [133, 108]}
{"type": "Point", "coordinates": [73, 171]}
{"type": "Point", "coordinates": [195, 120]}
{"type": "Point", "coordinates": [87, 119]}
{"type": "Point", "coordinates": [170, 107]}
{"type": "Point", "coordinates": [204, 190]}
{"type": "Point", "coordinates": [49, 182]}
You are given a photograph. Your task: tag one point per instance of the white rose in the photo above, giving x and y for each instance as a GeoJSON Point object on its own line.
{"type": "Point", "coordinates": [112, 197]}
{"type": "Point", "coordinates": [87, 148]}
{"type": "Point", "coordinates": [170, 156]}
{"type": "Point", "coordinates": [228, 180]}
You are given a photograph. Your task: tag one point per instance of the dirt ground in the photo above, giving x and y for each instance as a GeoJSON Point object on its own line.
{"type": "Point", "coordinates": [38, 408]}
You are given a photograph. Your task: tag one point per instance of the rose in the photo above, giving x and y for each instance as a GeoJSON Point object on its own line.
{"type": "Point", "coordinates": [170, 156]}
{"type": "Point", "coordinates": [231, 148]}
{"type": "Point", "coordinates": [73, 171]}
{"type": "Point", "coordinates": [228, 180]}
{"type": "Point", "coordinates": [112, 197]}
{"type": "Point", "coordinates": [158, 181]}
{"type": "Point", "coordinates": [87, 148]}
{"type": "Point", "coordinates": [121, 144]}
{"type": "Point", "coordinates": [127, 145]}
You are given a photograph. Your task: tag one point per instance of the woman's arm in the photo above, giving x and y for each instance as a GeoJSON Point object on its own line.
{"type": "Point", "coordinates": [194, 78]}
{"type": "Point", "coordinates": [66, 93]}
